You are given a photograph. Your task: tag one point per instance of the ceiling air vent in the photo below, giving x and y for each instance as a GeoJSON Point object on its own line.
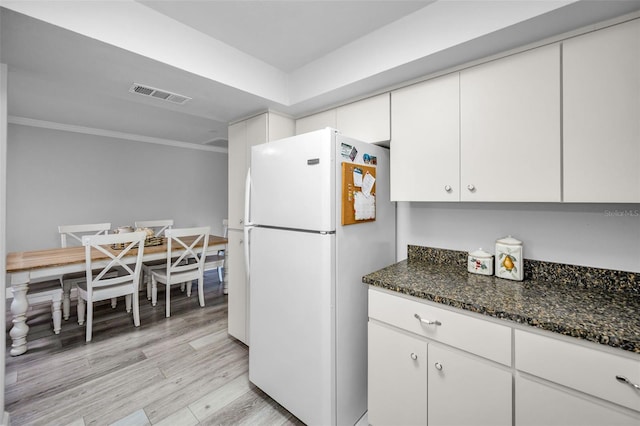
{"type": "Point", "coordinates": [159, 94]}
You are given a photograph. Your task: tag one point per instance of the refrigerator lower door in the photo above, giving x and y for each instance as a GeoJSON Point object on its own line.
{"type": "Point", "coordinates": [291, 357]}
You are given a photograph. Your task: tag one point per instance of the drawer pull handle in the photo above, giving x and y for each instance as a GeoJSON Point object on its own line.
{"type": "Point", "coordinates": [427, 322]}
{"type": "Point", "coordinates": [623, 379]}
{"type": "Point", "coordinates": [414, 356]}
{"type": "Point", "coordinates": [438, 366]}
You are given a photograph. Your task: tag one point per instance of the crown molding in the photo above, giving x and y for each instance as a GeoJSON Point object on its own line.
{"type": "Point", "coordinates": [31, 122]}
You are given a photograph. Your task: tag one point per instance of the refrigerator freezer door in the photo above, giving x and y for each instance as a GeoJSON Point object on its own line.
{"type": "Point", "coordinates": [293, 182]}
{"type": "Point", "coordinates": [291, 314]}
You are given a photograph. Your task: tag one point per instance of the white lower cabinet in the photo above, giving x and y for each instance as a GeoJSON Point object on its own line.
{"type": "Point", "coordinates": [540, 404]}
{"type": "Point", "coordinates": [238, 303]}
{"type": "Point", "coordinates": [574, 384]}
{"type": "Point", "coordinates": [434, 366]}
{"type": "Point", "coordinates": [465, 390]}
{"type": "Point", "coordinates": [417, 381]}
{"type": "Point", "coordinates": [397, 389]}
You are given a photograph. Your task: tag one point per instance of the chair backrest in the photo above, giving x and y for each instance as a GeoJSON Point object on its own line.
{"type": "Point", "coordinates": [225, 227]}
{"type": "Point", "coordinates": [193, 241]}
{"type": "Point", "coordinates": [118, 249]}
{"type": "Point", "coordinates": [158, 226]}
{"type": "Point", "coordinates": [76, 232]}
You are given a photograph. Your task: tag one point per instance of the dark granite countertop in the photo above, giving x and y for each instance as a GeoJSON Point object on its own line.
{"type": "Point", "coordinates": [594, 313]}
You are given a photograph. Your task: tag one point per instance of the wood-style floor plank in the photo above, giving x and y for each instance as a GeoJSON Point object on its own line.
{"type": "Point", "coordinates": [182, 370]}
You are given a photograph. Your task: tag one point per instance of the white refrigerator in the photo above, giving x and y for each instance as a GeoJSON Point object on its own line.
{"type": "Point", "coordinates": [307, 303]}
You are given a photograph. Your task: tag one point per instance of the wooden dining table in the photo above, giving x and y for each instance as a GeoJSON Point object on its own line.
{"type": "Point", "coordinates": [26, 266]}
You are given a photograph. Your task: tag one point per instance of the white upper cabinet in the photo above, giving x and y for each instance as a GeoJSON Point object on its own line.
{"type": "Point", "coordinates": [425, 147]}
{"type": "Point", "coordinates": [279, 127]}
{"type": "Point", "coordinates": [601, 89]}
{"type": "Point", "coordinates": [242, 136]}
{"type": "Point", "coordinates": [237, 168]}
{"type": "Point", "coordinates": [316, 121]}
{"type": "Point", "coordinates": [367, 120]}
{"type": "Point", "coordinates": [510, 128]}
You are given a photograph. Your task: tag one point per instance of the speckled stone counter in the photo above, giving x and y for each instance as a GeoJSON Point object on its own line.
{"type": "Point", "coordinates": [588, 303]}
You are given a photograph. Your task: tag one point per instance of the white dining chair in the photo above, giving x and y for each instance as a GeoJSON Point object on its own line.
{"type": "Point", "coordinates": [185, 267]}
{"type": "Point", "coordinates": [158, 227]}
{"type": "Point", "coordinates": [71, 235]}
{"type": "Point", "coordinates": [100, 285]}
{"type": "Point", "coordinates": [216, 261]}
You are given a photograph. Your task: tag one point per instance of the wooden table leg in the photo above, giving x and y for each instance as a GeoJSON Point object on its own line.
{"type": "Point", "coordinates": [19, 307]}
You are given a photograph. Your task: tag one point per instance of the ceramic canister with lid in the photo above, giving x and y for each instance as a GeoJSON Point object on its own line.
{"type": "Point", "coordinates": [509, 261]}
{"type": "Point", "coordinates": [480, 262]}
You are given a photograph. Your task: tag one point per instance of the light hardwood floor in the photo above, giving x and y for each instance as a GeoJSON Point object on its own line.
{"type": "Point", "coordinates": [183, 370]}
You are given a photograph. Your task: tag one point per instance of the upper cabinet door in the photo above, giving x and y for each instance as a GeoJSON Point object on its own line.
{"type": "Point", "coordinates": [316, 122]}
{"type": "Point", "coordinates": [280, 127]}
{"type": "Point", "coordinates": [510, 128]}
{"type": "Point", "coordinates": [425, 147]}
{"type": "Point", "coordinates": [237, 168]}
{"type": "Point", "coordinates": [367, 120]}
{"type": "Point", "coordinates": [601, 88]}
{"type": "Point", "coordinates": [242, 136]}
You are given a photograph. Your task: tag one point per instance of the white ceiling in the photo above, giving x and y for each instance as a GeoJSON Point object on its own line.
{"type": "Point", "coordinates": [72, 63]}
{"type": "Point", "coordinates": [286, 34]}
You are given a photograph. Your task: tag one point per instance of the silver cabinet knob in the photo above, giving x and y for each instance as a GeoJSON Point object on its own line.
{"type": "Point", "coordinates": [447, 188]}
{"type": "Point", "coordinates": [438, 366]}
{"type": "Point", "coordinates": [414, 356]}
{"type": "Point", "coordinates": [241, 221]}
{"type": "Point", "coordinates": [471, 187]}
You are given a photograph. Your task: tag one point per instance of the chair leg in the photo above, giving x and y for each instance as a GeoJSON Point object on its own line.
{"type": "Point", "coordinates": [56, 314]}
{"type": "Point", "coordinates": [136, 310]}
{"type": "Point", "coordinates": [168, 301]}
{"type": "Point", "coordinates": [114, 302]}
{"type": "Point", "coordinates": [201, 291]}
{"type": "Point", "coordinates": [89, 320]}
{"type": "Point", "coordinates": [81, 304]}
{"type": "Point", "coordinates": [127, 302]}
{"type": "Point", "coordinates": [154, 292]}
{"type": "Point", "coordinates": [148, 281]}
{"type": "Point", "coordinates": [66, 300]}
{"type": "Point", "coordinates": [188, 284]}
{"type": "Point", "coordinates": [220, 275]}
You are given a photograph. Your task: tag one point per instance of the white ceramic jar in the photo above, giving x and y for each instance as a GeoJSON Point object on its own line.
{"type": "Point", "coordinates": [509, 260]}
{"type": "Point", "coordinates": [480, 262]}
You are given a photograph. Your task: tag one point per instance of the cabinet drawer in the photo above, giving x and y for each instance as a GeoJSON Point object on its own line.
{"type": "Point", "coordinates": [540, 404]}
{"type": "Point", "coordinates": [585, 369]}
{"type": "Point", "coordinates": [483, 338]}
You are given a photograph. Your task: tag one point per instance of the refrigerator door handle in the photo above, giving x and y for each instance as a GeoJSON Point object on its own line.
{"type": "Point", "coordinates": [247, 199]}
{"type": "Point", "coordinates": [247, 261]}
{"type": "Point", "coordinates": [247, 223]}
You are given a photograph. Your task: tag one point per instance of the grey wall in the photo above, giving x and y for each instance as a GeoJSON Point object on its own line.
{"type": "Point", "coordinates": [600, 235]}
{"type": "Point", "coordinates": [57, 177]}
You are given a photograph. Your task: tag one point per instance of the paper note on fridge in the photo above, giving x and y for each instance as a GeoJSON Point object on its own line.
{"type": "Point", "coordinates": [365, 207]}
{"type": "Point", "coordinates": [357, 177]}
{"type": "Point", "coordinates": [367, 184]}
